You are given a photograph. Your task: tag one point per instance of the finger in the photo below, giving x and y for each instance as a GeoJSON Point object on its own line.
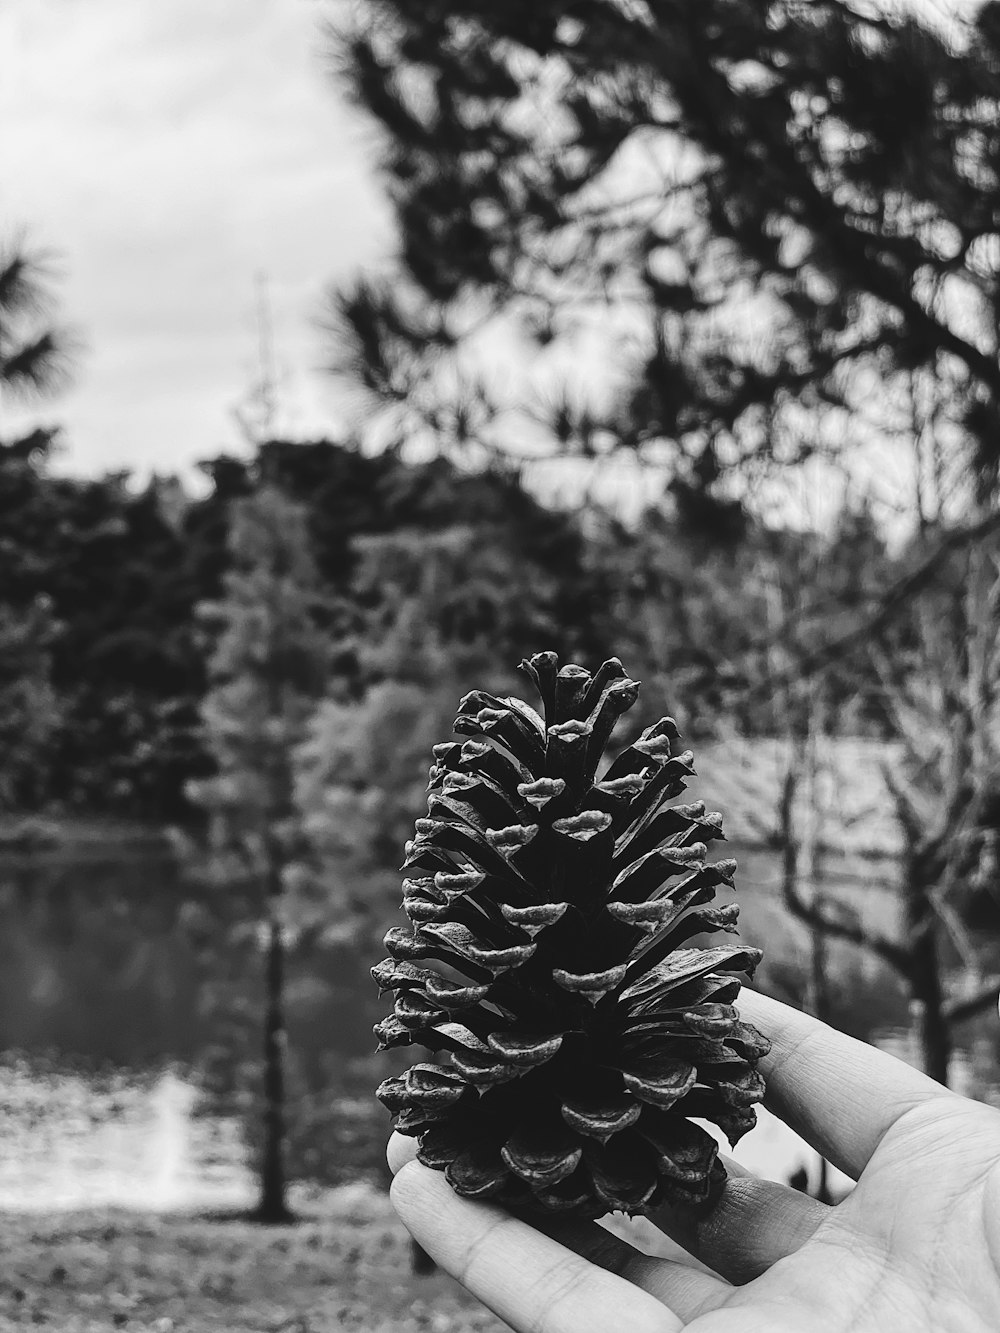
{"type": "Point", "coordinates": [682, 1284]}
{"type": "Point", "coordinates": [841, 1095]}
{"type": "Point", "coordinates": [399, 1150]}
{"type": "Point", "coordinates": [754, 1224]}
{"type": "Point", "coordinates": [522, 1275]}
{"type": "Point", "coordinates": [678, 1281]}
{"type": "Point", "coordinates": [599, 1244]}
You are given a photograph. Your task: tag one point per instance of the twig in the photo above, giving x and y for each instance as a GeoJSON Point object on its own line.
{"type": "Point", "coordinates": [959, 1009]}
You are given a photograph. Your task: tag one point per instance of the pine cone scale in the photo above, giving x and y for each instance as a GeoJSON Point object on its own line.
{"type": "Point", "coordinates": [600, 1119]}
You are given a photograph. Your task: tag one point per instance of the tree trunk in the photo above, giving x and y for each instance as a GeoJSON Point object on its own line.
{"type": "Point", "coordinates": [933, 1034]}
{"type": "Point", "coordinates": [818, 1004]}
{"type": "Point", "coordinates": [273, 1205]}
{"type": "Point", "coordinates": [926, 991]}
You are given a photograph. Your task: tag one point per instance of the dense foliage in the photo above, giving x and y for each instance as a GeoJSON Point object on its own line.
{"type": "Point", "coordinates": [112, 568]}
{"type": "Point", "coordinates": [117, 571]}
{"type": "Point", "coordinates": [767, 230]}
{"type": "Point", "coordinates": [102, 581]}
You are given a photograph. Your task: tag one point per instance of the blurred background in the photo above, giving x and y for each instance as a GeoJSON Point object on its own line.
{"type": "Point", "coordinates": [350, 352]}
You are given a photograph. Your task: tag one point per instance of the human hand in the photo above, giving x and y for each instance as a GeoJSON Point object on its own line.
{"type": "Point", "coordinates": [914, 1248]}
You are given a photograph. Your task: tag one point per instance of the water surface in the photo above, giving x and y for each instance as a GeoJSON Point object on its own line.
{"type": "Point", "coordinates": [105, 1028]}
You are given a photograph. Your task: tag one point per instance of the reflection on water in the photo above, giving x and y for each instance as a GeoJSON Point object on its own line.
{"type": "Point", "coordinates": [72, 1141]}
{"type": "Point", "coordinates": [75, 1141]}
{"type": "Point", "coordinates": [95, 968]}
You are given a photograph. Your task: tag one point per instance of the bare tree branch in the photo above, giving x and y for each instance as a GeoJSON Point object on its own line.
{"type": "Point", "coordinates": [896, 598]}
{"type": "Point", "coordinates": [961, 1008]}
{"type": "Point", "coordinates": [852, 932]}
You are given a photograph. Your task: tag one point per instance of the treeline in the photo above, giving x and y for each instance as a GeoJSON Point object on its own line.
{"type": "Point", "coordinates": [104, 583]}
{"type": "Point", "coordinates": [104, 661]}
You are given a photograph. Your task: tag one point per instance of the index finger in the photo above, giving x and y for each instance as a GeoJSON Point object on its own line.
{"type": "Point", "coordinates": [684, 1285]}
{"type": "Point", "coordinates": [521, 1274]}
{"type": "Point", "coordinates": [841, 1095]}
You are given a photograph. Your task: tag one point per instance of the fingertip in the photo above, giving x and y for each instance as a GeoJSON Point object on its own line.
{"type": "Point", "coordinates": [425, 1204]}
{"type": "Point", "coordinates": [527, 1278]}
{"type": "Point", "coordinates": [410, 1187]}
{"type": "Point", "coordinates": [400, 1150]}
{"type": "Point", "coordinates": [840, 1094]}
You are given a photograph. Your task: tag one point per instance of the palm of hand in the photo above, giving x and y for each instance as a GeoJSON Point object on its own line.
{"type": "Point", "coordinates": [915, 1248]}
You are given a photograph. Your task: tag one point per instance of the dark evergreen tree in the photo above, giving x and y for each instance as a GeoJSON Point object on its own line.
{"type": "Point", "coordinates": [35, 353]}
{"type": "Point", "coordinates": [116, 575]}
{"type": "Point", "coordinates": [351, 497]}
{"type": "Point", "coordinates": [122, 569]}
{"type": "Point", "coordinates": [777, 220]}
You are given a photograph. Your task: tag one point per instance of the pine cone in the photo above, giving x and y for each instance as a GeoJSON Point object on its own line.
{"type": "Point", "coordinates": [580, 1034]}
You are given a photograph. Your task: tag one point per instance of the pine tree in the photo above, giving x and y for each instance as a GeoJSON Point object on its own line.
{"type": "Point", "coordinates": [267, 670]}
{"type": "Point", "coordinates": [120, 578]}
{"type": "Point", "coordinates": [35, 354]}
{"type": "Point", "coordinates": [775, 222]}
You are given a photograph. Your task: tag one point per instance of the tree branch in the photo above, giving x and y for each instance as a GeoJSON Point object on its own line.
{"type": "Point", "coordinates": [895, 597]}
{"type": "Point", "coordinates": [961, 1008]}
{"type": "Point", "coordinates": [851, 932]}
{"type": "Point", "coordinates": [895, 955]}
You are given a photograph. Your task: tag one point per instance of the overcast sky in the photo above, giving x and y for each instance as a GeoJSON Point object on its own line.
{"type": "Point", "coordinates": [168, 152]}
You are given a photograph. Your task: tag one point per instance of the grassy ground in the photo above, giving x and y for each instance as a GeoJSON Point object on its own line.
{"type": "Point", "coordinates": [345, 1266]}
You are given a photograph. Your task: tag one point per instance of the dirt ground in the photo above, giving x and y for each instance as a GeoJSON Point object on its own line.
{"type": "Point", "coordinates": [346, 1265]}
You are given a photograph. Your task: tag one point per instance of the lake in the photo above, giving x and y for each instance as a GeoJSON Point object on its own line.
{"type": "Point", "coordinates": [106, 1035]}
